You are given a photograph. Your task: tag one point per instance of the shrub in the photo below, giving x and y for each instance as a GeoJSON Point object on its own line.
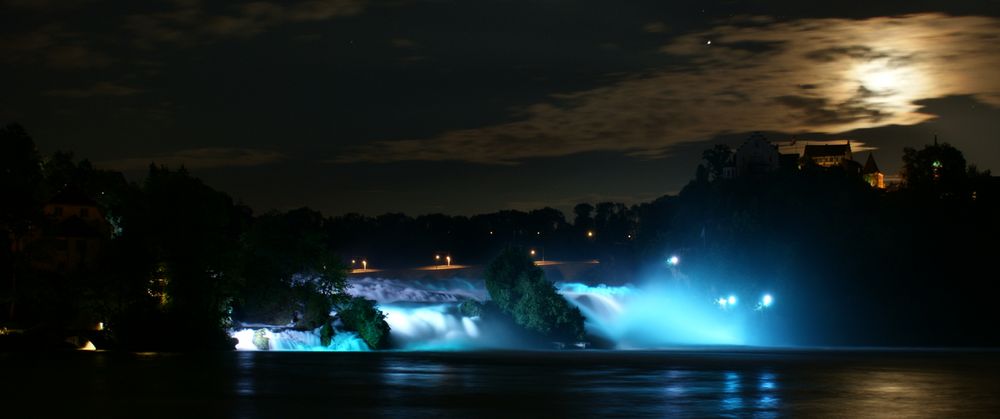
{"type": "Point", "coordinates": [260, 340]}
{"type": "Point", "coordinates": [361, 315]}
{"type": "Point", "coordinates": [326, 334]}
{"type": "Point", "coordinates": [519, 288]}
{"type": "Point", "coordinates": [470, 308]}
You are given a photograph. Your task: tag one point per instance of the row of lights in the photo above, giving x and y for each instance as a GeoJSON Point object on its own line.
{"type": "Point", "coordinates": [447, 259]}
{"type": "Point", "coordinates": [364, 264]}
{"type": "Point", "coordinates": [590, 234]}
{"type": "Point", "coordinates": [765, 301]}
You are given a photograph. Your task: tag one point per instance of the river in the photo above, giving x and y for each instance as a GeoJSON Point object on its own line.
{"type": "Point", "coordinates": [710, 381]}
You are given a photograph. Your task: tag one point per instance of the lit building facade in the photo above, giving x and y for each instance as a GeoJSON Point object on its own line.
{"type": "Point", "coordinates": [871, 174]}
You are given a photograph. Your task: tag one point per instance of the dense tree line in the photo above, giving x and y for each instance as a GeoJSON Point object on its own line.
{"type": "Point", "coordinates": [908, 266]}
{"type": "Point", "coordinates": [181, 262]}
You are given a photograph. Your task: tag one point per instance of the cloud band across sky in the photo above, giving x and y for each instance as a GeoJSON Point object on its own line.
{"type": "Point", "coordinates": [745, 74]}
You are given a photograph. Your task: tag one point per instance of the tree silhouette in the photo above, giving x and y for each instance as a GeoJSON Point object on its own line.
{"type": "Point", "coordinates": [20, 206]}
{"type": "Point", "coordinates": [717, 158]}
{"type": "Point", "coordinates": [936, 168]}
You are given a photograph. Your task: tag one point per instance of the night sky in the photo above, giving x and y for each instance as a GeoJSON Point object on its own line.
{"type": "Point", "coordinates": [474, 106]}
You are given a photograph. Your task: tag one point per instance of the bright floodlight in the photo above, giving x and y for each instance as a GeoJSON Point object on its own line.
{"type": "Point", "coordinates": [723, 301]}
{"type": "Point", "coordinates": [767, 300]}
{"type": "Point", "coordinates": [732, 299]}
{"type": "Point", "coordinates": [673, 260]}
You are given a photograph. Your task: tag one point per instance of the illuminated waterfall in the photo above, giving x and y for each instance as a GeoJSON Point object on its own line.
{"type": "Point", "coordinates": [424, 315]}
{"type": "Point", "coordinates": [431, 327]}
{"type": "Point", "coordinates": [296, 340]}
{"type": "Point", "coordinates": [655, 316]}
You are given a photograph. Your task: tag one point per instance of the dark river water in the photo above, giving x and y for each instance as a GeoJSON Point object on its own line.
{"type": "Point", "coordinates": [698, 383]}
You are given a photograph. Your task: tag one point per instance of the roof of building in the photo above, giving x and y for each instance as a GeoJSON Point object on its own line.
{"type": "Point", "coordinates": [72, 196]}
{"type": "Point", "coordinates": [870, 166]}
{"type": "Point", "coordinates": [756, 137]}
{"type": "Point", "coordinates": [826, 150]}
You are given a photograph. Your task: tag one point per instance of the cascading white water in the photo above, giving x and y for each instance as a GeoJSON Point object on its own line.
{"type": "Point", "coordinates": [387, 291]}
{"type": "Point", "coordinates": [431, 327]}
{"type": "Point", "coordinates": [654, 316]}
{"type": "Point", "coordinates": [296, 340]}
{"type": "Point", "coordinates": [424, 315]}
{"type": "Point", "coordinates": [421, 316]}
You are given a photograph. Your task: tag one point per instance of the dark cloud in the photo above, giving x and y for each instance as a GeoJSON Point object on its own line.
{"type": "Point", "coordinates": [857, 52]}
{"type": "Point", "coordinates": [190, 22]}
{"type": "Point", "coordinates": [46, 5]}
{"type": "Point", "coordinates": [98, 89]}
{"type": "Point", "coordinates": [54, 46]}
{"type": "Point", "coordinates": [756, 48]}
{"type": "Point", "coordinates": [200, 158]}
{"type": "Point", "coordinates": [655, 27]}
{"type": "Point", "coordinates": [821, 112]}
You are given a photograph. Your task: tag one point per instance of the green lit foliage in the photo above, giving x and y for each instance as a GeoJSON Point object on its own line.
{"type": "Point", "coordinates": [316, 307]}
{"type": "Point", "coordinates": [470, 308]}
{"type": "Point", "coordinates": [361, 315]}
{"type": "Point", "coordinates": [519, 288]}
{"type": "Point", "coordinates": [503, 274]}
{"type": "Point", "coordinates": [326, 334]}
{"type": "Point", "coordinates": [260, 340]}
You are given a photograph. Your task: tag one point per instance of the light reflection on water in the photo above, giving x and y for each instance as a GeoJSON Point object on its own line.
{"type": "Point", "coordinates": [244, 377]}
{"type": "Point", "coordinates": [511, 384]}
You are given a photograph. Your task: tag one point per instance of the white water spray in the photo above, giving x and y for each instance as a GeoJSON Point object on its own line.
{"type": "Point", "coordinates": [424, 315]}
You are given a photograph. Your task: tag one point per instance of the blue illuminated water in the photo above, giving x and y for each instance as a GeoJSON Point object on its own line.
{"type": "Point", "coordinates": [424, 315]}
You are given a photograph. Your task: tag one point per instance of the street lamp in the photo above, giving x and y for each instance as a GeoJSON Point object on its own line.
{"type": "Point", "coordinates": [448, 259]}
{"type": "Point", "coordinates": [364, 265]}
{"type": "Point", "coordinates": [532, 252]}
{"type": "Point", "coordinates": [726, 302]}
{"type": "Point", "coordinates": [673, 260]}
{"type": "Point", "coordinates": [590, 233]}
